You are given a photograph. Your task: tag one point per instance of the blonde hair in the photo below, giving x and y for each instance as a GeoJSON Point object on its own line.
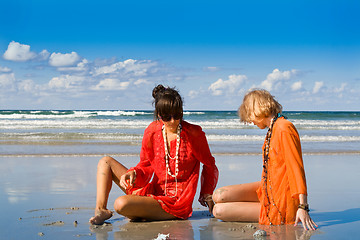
{"type": "Point", "coordinates": [258, 104]}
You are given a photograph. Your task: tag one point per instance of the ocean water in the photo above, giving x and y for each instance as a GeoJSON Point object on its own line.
{"type": "Point", "coordinates": [89, 133]}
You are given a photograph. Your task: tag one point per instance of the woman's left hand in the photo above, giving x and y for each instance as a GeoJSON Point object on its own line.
{"type": "Point", "coordinates": [303, 216]}
{"type": "Point", "coordinates": [206, 201]}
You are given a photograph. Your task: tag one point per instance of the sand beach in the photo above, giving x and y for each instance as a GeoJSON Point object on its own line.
{"type": "Point", "coordinates": [52, 197]}
{"type": "Point", "coordinates": [48, 162]}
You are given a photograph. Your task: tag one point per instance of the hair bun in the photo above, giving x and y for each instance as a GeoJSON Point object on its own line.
{"type": "Point", "coordinates": [158, 89]}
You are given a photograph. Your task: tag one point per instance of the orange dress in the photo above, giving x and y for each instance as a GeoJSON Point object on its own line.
{"type": "Point", "coordinates": [285, 178]}
{"type": "Point", "coordinates": [175, 195]}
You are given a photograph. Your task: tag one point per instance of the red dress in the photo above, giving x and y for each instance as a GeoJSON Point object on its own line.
{"type": "Point", "coordinates": [151, 172]}
{"type": "Point", "coordinates": [286, 176]}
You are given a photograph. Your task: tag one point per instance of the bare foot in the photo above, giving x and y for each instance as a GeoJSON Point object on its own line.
{"type": "Point", "coordinates": [100, 216]}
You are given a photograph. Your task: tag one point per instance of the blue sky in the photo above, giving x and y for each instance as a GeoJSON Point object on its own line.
{"type": "Point", "coordinates": [110, 54]}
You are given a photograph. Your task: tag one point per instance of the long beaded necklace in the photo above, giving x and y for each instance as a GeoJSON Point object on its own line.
{"type": "Point", "coordinates": [266, 176]}
{"type": "Point", "coordinates": [176, 158]}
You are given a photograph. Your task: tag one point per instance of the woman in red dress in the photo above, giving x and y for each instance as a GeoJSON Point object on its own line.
{"type": "Point", "coordinates": [281, 195]}
{"type": "Point", "coordinates": [163, 184]}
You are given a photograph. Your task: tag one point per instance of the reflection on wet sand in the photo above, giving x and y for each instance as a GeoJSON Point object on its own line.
{"type": "Point", "coordinates": [178, 229]}
{"type": "Point", "coordinates": [285, 232]}
{"type": "Point", "coordinates": [208, 227]}
{"type": "Point", "coordinates": [40, 204]}
{"type": "Point", "coordinates": [216, 229]}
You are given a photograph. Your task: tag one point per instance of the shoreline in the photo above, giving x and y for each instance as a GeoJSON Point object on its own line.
{"type": "Point", "coordinates": [137, 154]}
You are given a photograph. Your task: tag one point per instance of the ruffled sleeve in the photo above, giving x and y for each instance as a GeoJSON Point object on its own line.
{"type": "Point", "coordinates": [292, 156]}
{"type": "Point", "coordinates": [201, 150]}
{"type": "Point", "coordinates": [144, 170]}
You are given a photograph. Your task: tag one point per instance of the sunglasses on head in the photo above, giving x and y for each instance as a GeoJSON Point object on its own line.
{"type": "Point", "coordinates": [167, 118]}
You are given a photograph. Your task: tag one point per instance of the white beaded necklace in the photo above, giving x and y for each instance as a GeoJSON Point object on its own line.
{"type": "Point", "coordinates": [176, 158]}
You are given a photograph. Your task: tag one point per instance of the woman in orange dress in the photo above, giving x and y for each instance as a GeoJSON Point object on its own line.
{"type": "Point", "coordinates": [163, 184]}
{"type": "Point", "coordinates": [281, 195]}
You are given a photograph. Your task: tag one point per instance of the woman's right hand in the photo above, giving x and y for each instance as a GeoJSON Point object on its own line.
{"type": "Point", "coordinates": [127, 180]}
{"type": "Point", "coordinates": [207, 201]}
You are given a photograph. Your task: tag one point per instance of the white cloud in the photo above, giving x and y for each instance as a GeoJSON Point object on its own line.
{"type": "Point", "coordinates": [18, 52]}
{"type": "Point", "coordinates": [66, 82]}
{"type": "Point", "coordinates": [136, 68]}
{"type": "Point", "coordinates": [4, 70]}
{"type": "Point", "coordinates": [233, 83]}
{"type": "Point", "coordinates": [341, 89]}
{"type": "Point", "coordinates": [211, 69]}
{"type": "Point", "coordinates": [296, 86]}
{"type": "Point", "coordinates": [111, 84]}
{"type": "Point", "coordinates": [276, 77]}
{"type": "Point", "coordinates": [43, 55]}
{"type": "Point", "coordinates": [80, 67]}
{"type": "Point", "coordinates": [63, 60]}
{"type": "Point", "coordinates": [317, 87]}
{"type": "Point", "coordinates": [27, 85]}
{"type": "Point", "coordinates": [141, 82]}
{"type": "Point", "coordinates": [117, 76]}
{"type": "Point", "coordinates": [193, 93]}
{"type": "Point", "coordinates": [7, 80]}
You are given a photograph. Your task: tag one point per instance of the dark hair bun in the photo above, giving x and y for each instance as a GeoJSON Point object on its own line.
{"type": "Point", "coordinates": [158, 90]}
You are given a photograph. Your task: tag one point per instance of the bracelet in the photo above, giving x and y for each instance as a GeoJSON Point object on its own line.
{"type": "Point", "coordinates": [304, 207]}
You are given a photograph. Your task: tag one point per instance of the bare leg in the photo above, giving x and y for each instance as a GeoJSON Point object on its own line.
{"type": "Point", "coordinates": [108, 170]}
{"type": "Point", "coordinates": [141, 207]}
{"type": "Point", "coordinates": [237, 211]}
{"type": "Point", "coordinates": [237, 193]}
{"type": "Point", "coordinates": [237, 202]}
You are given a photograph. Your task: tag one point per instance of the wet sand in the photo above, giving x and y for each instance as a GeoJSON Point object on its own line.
{"type": "Point", "coordinates": [53, 198]}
